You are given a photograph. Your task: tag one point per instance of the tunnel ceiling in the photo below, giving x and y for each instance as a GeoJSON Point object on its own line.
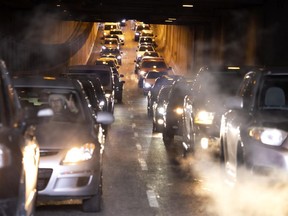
{"type": "Point", "coordinates": [149, 11]}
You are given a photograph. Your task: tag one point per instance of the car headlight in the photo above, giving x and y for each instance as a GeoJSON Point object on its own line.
{"type": "Point", "coordinates": [79, 154]}
{"type": "Point", "coordinates": [5, 156]}
{"type": "Point", "coordinates": [137, 34]}
{"type": "Point", "coordinates": [142, 73]}
{"type": "Point", "coordinates": [268, 136]}
{"type": "Point", "coordinates": [204, 117]}
{"type": "Point", "coordinates": [107, 95]}
{"type": "Point", "coordinates": [139, 56]}
{"type": "Point", "coordinates": [161, 110]}
{"type": "Point", "coordinates": [101, 103]}
{"type": "Point", "coordinates": [178, 110]}
{"type": "Point", "coordinates": [103, 47]}
{"type": "Point", "coordinates": [147, 85]}
{"type": "Point", "coordinates": [118, 57]}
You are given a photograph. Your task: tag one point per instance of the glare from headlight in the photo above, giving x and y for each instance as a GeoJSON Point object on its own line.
{"type": "Point", "coordinates": [161, 110]}
{"type": "Point", "coordinates": [118, 57]}
{"type": "Point", "coordinates": [107, 95]}
{"type": "Point", "coordinates": [103, 47]}
{"type": "Point", "coordinates": [5, 156]}
{"type": "Point", "coordinates": [78, 154]}
{"type": "Point", "coordinates": [101, 103]}
{"type": "Point", "coordinates": [179, 110]}
{"type": "Point", "coordinates": [142, 73]}
{"type": "Point", "coordinates": [204, 117]}
{"type": "Point", "coordinates": [268, 136]}
{"type": "Point", "coordinates": [147, 85]}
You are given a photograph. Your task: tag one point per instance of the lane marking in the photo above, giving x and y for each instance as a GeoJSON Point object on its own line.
{"type": "Point", "coordinates": [152, 199]}
{"type": "Point", "coordinates": [138, 146]}
{"type": "Point", "coordinates": [143, 164]}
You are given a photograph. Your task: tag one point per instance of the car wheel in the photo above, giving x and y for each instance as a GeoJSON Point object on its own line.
{"type": "Point", "coordinates": [92, 204]}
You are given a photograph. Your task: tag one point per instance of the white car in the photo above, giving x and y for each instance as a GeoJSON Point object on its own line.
{"type": "Point", "coordinates": [120, 35]}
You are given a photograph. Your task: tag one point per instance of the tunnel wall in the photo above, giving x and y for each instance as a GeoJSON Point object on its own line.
{"type": "Point", "coordinates": [187, 48]}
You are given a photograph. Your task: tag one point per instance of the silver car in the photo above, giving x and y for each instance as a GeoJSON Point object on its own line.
{"type": "Point", "coordinates": [71, 142]}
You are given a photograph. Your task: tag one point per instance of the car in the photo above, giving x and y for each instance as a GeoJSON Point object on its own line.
{"type": "Point", "coordinates": [107, 26]}
{"type": "Point", "coordinates": [120, 35]}
{"type": "Point", "coordinates": [114, 36]}
{"type": "Point", "coordinates": [19, 147]}
{"type": "Point", "coordinates": [118, 78]}
{"type": "Point", "coordinates": [150, 78]}
{"type": "Point", "coordinates": [116, 53]}
{"type": "Point", "coordinates": [149, 64]}
{"type": "Point", "coordinates": [102, 72]}
{"type": "Point", "coordinates": [110, 61]}
{"type": "Point", "coordinates": [110, 43]}
{"type": "Point", "coordinates": [158, 108]}
{"type": "Point", "coordinates": [172, 120]}
{"type": "Point", "coordinates": [148, 33]}
{"type": "Point", "coordinates": [146, 40]}
{"type": "Point", "coordinates": [253, 134]}
{"type": "Point", "coordinates": [203, 107]}
{"type": "Point", "coordinates": [155, 88]}
{"type": "Point", "coordinates": [71, 142]}
{"type": "Point", "coordinates": [139, 28]}
{"type": "Point", "coordinates": [141, 50]}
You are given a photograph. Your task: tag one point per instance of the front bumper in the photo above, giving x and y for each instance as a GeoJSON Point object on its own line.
{"type": "Point", "coordinates": [68, 181]}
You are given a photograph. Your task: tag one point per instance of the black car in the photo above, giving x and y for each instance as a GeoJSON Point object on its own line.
{"type": "Point", "coordinates": [102, 72]}
{"type": "Point", "coordinates": [158, 108]}
{"type": "Point", "coordinates": [254, 131]}
{"type": "Point", "coordinates": [19, 151]}
{"type": "Point", "coordinates": [204, 105]}
{"type": "Point", "coordinates": [71, 142]}
{"type": "Point", "coordinates": [172, 124]}
{"type": "Point", "coordinates": [153, 92]}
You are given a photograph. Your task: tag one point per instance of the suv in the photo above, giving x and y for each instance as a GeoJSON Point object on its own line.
{"type": "Point", "coordinates": [203, 107]}
{"type": "Point", "coordinates": [253, 133]}
{"type": "Point", "coordinates": [19, 149]}
{"type": "Point", "coordinates": [102, 72]}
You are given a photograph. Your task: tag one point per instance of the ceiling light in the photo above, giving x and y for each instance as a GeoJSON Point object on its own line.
{"type": "Point", "coordinates": [171, 18]}
{"type": "Point", "coordinates": [168, 21]}
{"type": "Point", "coordinates": [187, 5]}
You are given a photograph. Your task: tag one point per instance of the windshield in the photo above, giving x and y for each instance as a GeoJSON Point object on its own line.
{"type": "Point", "coordinates": [66, 104]}
{"type": "Point", "coordinates": [153, 64]}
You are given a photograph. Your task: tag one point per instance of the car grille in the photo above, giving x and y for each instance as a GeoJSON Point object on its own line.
{"type": "Point", "coordinates": [43, 178]}
{"type": "Point", "coordinates": [44, 153]}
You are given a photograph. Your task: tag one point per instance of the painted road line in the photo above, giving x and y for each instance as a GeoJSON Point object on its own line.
{"type": "Point", "coordinates": [152, 199]}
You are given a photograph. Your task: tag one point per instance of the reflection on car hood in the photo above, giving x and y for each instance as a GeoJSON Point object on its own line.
{"type": "Point", "coordinates": [58, 135]}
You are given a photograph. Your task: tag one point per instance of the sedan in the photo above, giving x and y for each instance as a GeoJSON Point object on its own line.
{"type": "Point", "coordinates": [71, 142]}
{"type": "Point", "coordinates": [254, 130]}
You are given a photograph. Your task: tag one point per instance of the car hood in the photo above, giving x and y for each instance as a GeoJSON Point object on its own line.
{"type": "Point", "coordinates": [272, 118]}
{"type": "Point", "coordinates": [58, 135]}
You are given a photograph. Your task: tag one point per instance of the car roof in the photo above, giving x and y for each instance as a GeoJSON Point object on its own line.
{"type": "Point", "coordinates": [88, 68]}
{"type": "Point", "coordinates": [45, 81]}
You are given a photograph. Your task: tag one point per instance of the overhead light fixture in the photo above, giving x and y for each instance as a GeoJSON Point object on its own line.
{"type": "Point", "coordinates": [187, 5]}
{"type": "Point", "coordinates": [172, 19]}
{"type": "Point", "coordinates": [168, 21]}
